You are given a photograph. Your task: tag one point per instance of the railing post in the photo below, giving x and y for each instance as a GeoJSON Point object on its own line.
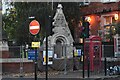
{"type": "Point", "coordinates": [105, 66]}
{"type": "Point", "coordinates": [21, 61]}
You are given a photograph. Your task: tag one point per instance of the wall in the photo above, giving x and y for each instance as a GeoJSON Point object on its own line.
{"type": "Point", "coordinates": [94, 24]}
{"type": "Point", "coordinates": [98, 7]}
{"type": "Point", "coordinates": [15, 67]}
{"type": "Point", "coordinates": [94, 10]}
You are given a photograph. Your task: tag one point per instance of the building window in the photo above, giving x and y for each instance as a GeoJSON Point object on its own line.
{"type": "Point", "coordinates": [108, 29]}
{"type": "Point", "coordinates": [108, 20]}
{"type": "Point", "coordinates": [109, 32]}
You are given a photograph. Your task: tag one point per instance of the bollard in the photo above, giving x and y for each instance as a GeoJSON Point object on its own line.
{"type": "Point", "coordinates": [83, 67]}
{"type": "Point", "coordinates": [105, 66]}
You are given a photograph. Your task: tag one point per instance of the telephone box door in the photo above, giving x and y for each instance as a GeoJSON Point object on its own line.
{"type": "Point", "coordinates": [92, 52]}
{"type": "Point", "coordinates": [96, 55]}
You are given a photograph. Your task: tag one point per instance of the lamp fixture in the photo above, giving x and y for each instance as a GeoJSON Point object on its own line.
{"type": "Point", "coordinates": [116, 16]}
{"type": "Point", "coordinates": [88, 19]}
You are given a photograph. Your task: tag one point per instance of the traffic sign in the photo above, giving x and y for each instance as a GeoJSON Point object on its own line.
{"type": "Point", "coordinates": [50, 57]}
{"type": "Point", "coordinates": [35, 44]}
{"type": "Point", "coordinates": [34, 27]}
{"type": "Point", "coordinates": [31, 55]}
{"type": "Point", "coordinates": [78, 53]}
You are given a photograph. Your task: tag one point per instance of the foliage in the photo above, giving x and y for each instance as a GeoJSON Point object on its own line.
{"type": "Point", "coordinates": [17, 20]}
{"type": "Point", "coordinates": [118, 28]}
{"type": "Point", "coordinates": [9, 22]}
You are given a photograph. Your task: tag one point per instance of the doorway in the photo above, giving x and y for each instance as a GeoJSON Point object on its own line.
{"type": "Point", "coordinates": [59, 48]}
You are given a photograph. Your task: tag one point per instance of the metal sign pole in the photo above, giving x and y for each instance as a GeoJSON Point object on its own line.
{"type": "Point", "coordinates": [34, 28]}
{"type": "Point", "coordinates": [35, 64]}
{"type": "Point", "coordinates": [46, 56]}
{"type": "Point", "coordinates": [83, 59]}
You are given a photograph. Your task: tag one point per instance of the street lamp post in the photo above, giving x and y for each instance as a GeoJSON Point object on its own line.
{"type": "Point", "coordinates": [46, 55]}
{"type": "Point", "coordinates": [83, 59]}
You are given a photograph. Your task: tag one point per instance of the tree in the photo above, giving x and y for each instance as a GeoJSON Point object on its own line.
{"type": "Point", "coordinates": [9, 21]}
{"type": "Point", "coordinates": [118, 28]}
{"type": "Point", "coordinates": [17, 20]}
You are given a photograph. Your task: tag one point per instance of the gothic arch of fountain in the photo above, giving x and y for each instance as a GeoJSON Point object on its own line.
{"type": "Point", "coordinates": [57, 37]}
{"type": "Point", "coordinates": [61, 42]}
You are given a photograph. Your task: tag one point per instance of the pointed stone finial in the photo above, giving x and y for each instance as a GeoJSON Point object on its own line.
{"type": "Point", "coordinates": [60, 6]}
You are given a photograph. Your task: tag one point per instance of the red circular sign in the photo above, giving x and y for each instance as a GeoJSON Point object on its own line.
{"type": "Point", "coordinates": [34, 27]}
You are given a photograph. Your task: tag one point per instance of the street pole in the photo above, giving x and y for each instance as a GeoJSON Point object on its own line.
{"type": "Point", "coordinates": [35, 63]}
{"type": "Point", "coordinates": [46, 55]}
{"type": "Point", "coordinates": [52, 5]}
{"type": "Point", "coordinates": [34, 32]}
{"type": "Point", "coordinates": [83, 59]}
{"type": "Point", "coordinates": [47, 24]}
{"type": "Point", "coordinates": [73, 61]}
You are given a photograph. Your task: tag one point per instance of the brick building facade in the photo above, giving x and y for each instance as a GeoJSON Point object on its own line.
{"type": "Point", "coordinates": [103, 18]}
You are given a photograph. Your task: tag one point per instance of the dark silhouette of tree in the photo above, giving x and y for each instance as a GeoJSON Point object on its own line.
{"type": "Point", "coordinates": [17, 20]}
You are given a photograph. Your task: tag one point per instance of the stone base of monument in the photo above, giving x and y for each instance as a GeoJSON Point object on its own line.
{"type": "Point", "coordinates": [59, 65]}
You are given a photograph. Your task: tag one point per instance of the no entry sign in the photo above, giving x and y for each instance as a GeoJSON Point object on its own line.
{"type": "Point", "coordinates": [34, 27]}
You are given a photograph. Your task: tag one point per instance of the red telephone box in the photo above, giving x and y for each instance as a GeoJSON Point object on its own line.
{"type": "Point", "coordinates": [92, 52]}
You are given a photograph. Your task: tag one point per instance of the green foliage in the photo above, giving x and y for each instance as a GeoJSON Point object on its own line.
{"type": "Point", "coordinates": [17, 19]}
{"type": "Point", "coordinates": [118, 28]}
{"type": "Point", "coordinates": [9, 23]}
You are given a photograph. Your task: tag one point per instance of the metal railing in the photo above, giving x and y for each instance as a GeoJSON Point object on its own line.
{"type": "Point", "coordinates": [72, 67]}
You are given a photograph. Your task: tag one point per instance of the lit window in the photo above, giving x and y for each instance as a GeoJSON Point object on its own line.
{"type": "Point", "coordinates": [108, 20]}
{"type": "Point", "coordinates": [116, 16]}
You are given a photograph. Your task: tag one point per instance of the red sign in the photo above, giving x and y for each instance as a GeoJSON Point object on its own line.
{"type": "Point", "coordinates": [34, 27]}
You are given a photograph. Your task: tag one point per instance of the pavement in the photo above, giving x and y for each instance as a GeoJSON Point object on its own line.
{"type": "Point", "coordinates": [70, 75]}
